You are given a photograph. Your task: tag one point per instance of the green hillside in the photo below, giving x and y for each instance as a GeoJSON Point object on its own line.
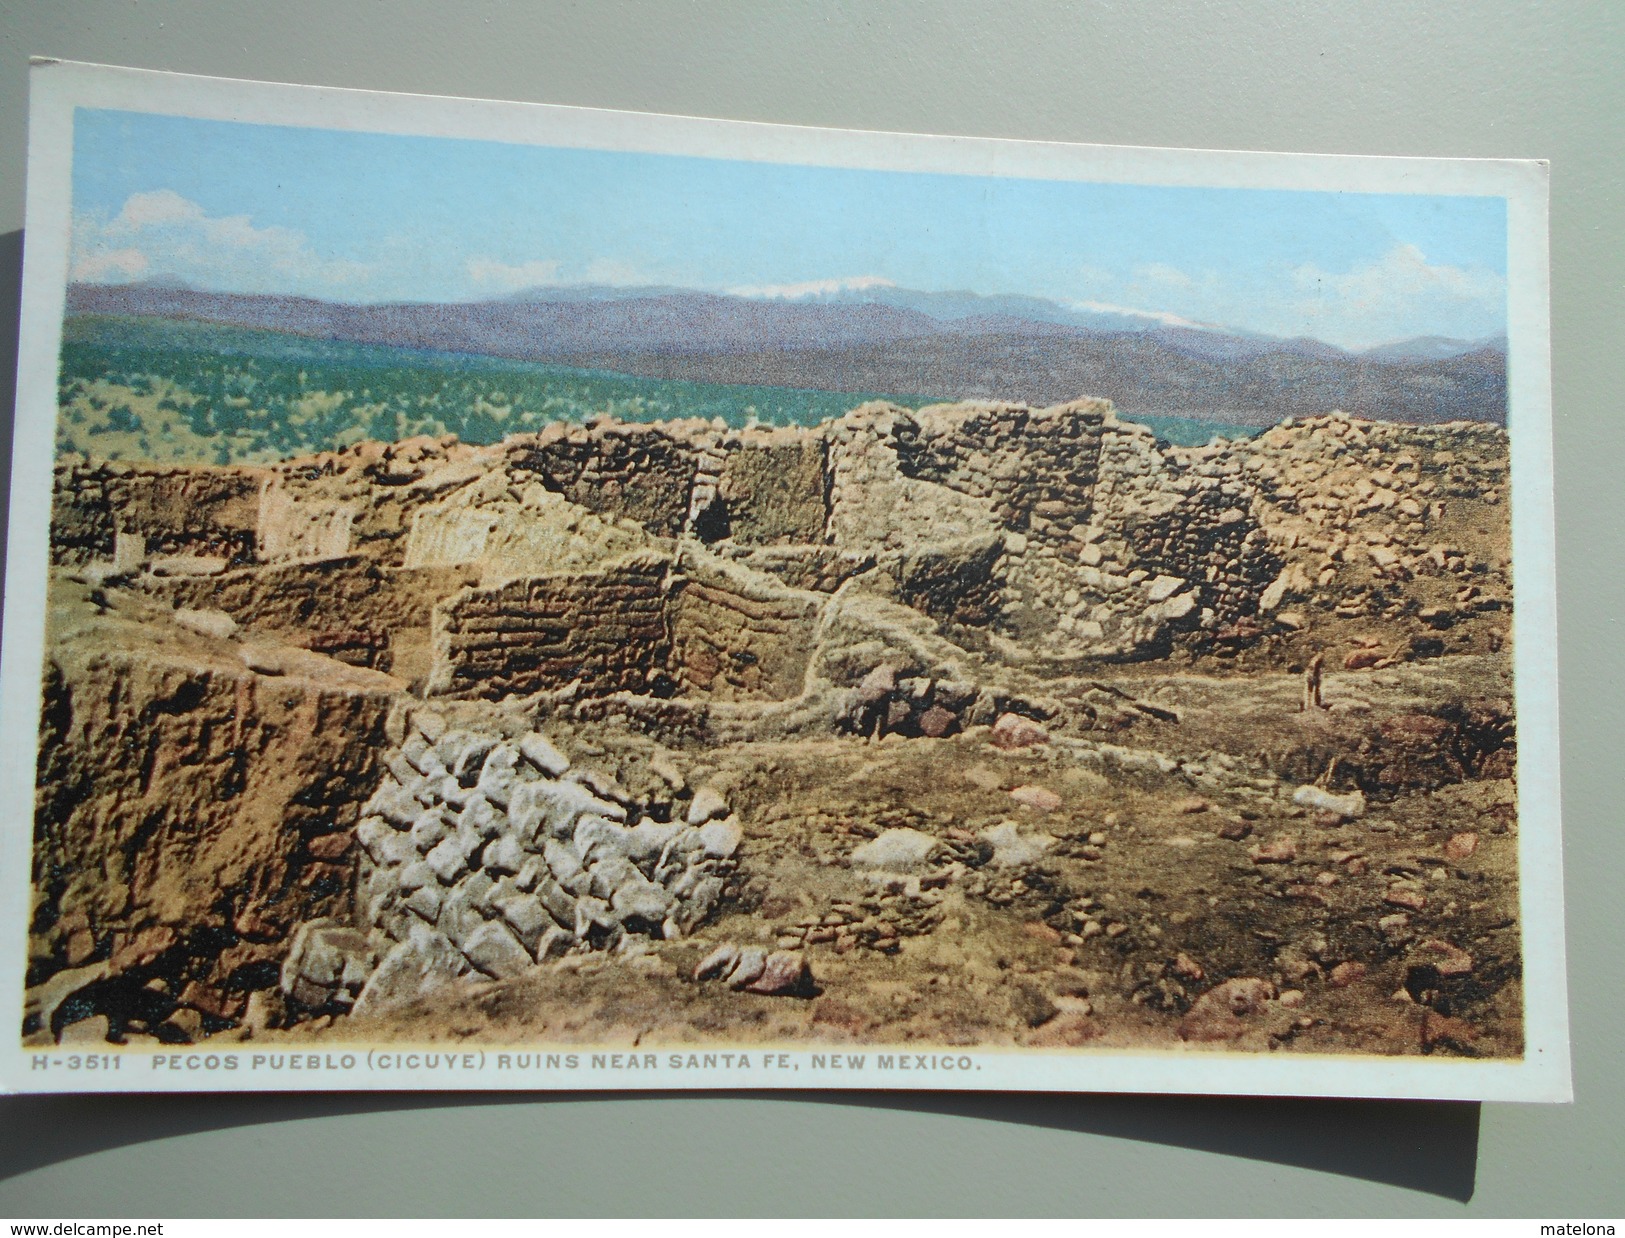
{"type": "Point", "coordinates": [190, 392]}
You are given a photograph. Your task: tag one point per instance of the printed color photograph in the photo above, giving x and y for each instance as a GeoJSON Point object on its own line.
{"type": "Point", "coordinates": [622, 607]}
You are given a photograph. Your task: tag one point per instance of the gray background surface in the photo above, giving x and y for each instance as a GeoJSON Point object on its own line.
{"type": "Point", "coordinates": [1510, 79]}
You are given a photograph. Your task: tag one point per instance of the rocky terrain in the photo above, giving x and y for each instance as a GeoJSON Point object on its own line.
{"type": "Point", "coordinates": [972, 725]}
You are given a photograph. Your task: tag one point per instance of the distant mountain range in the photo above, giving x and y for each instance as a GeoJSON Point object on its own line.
{"type": "Point", "coordinates": [947, 345]}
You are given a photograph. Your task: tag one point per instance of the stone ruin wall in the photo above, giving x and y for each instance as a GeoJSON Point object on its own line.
{"type": "Point", "coordinates": [350, 608]}
{"type": "Point", "coordinates": [1062, 531]}
{"type": "Point", "coordinates": [1036, 468]}
{"type": "Point", "coordinates": [645, 624]}
{"type": "Point", "coordinates": [733, 639]}
{"type": "Point", "coordinates": [291, 527]}
{"type": "Point", "coordinates": [358, 501]}
{"type": "Point", "coordinates": [176, 510]}
{"type": "Point", "coordinates": [605, 628]}
{"type": "Point", "coordinates": [773, 491]}
{"type": "Point", "coordinates": [643, 472]}
{"type": "Point", "coordinates": [507, 525]}
{"type": "Point", "coordinates": [1162, 514]}
{"type": "Point", "coordinates": [877, 506]}
{"type": "Point", "coordinates": [1063, 528]}
{"type": "Point", "coordinates": [1109, 545]}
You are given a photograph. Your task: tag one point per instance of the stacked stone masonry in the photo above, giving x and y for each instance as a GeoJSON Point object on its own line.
{"type": "Point", "coordinates": [606, 629]}
{"type": "Point", "coordinates": [1062, 531]}
{"type": "Point", "coordinates": [736, 637]}
{"type": "Point", "coordinates": [490, 855]}
{"type": "Point", "coordinates": [172, 511]}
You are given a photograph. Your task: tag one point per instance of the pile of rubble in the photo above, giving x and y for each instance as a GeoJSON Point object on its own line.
{"type": "Point", "coordinates": [490, 854]}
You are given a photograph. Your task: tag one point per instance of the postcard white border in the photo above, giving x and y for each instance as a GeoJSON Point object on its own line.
{"type": "Point", "coordinates": [58, 87]}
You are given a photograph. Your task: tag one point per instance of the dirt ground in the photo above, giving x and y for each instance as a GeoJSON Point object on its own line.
{"type": "Point", "coordinates": [1094, 914]}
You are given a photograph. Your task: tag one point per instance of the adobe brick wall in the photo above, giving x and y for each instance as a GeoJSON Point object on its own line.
{"type": "Point", "coordinates": [180, 510]}
{"type": "Point", "coordinates": [605, 627]}
{"type": "Point", "coordinates": [642, 471]}
{"type": "Point", "coordinates": [738, 638]}
{"type": "Point", "coordinates": [772, 487]}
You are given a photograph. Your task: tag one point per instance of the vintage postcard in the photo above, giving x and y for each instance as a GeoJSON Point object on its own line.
{"type": "Point", "coordinates": [511, 596]}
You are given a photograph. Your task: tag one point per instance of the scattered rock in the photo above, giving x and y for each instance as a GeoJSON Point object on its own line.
{"type": "Point", "coordinates": [1280, 851]}
{"type": "Point", "coordinates": [719, 963]}
{"type": "Point", "coordinates": [537, 749]}
{"type": "Point", "coordinates": [1444, 957]}
{"type": "Point", "coordinates": [1190, 804]}
{"type": "Point", "coordinates": [1177, 607]}
{"type": "Point", "coordinates": [326, 966]}
{"type": "Point", "coordinates": [1347, 806]}
{"type": "Point", "coordinates": [504, 855]}
{"type": "Point", "coordinates": [494, 950]}
{"type": "Point", "coordinates": [1013, 731]}
{"type": "Point", "coordinates": [720, 839]}
{"type": "Point", "coordinates": [215, 623]}
{"type": "Point", "coordinates": [784, 973]}
{"type": "Point", "coordinates": [1345, 974]}
{"type": "Point", "coordinates": [877, 685]}
{"type": "Point", "coordinates": [1162, 588]}
{"type": "Point", "coordinates": [707, 805]}
{"type": "Point", "coordinates": [1461, 846]}
{"type": "Point", "coordinates": [411, 969]}
{"type": "Point", "coordinates": [897, 848]}
{"type": "Point", "coordinates": [96, 1030]}
{"type": "Point", "coordinates": [265, 1010]}
{"type": "Point", "coordinates": [1012, 849]}
{"type": "Point", "coordinates": [1226, 1011]}
{"type": "Point", "coordinates": [1065, 1031]}
{"type": "Point", "coordinates": [747, 968]}
{"type": "Point", "coordinates": [1039, 799]}
{"type": "Point", "coordinates": [1403, 896]}
{"type": "Point", "coordinates": [642, 900]}
{"type": "Point", "coordinates": [263, 660]}
{"type": "Point", "coordinates": [1397, 925]}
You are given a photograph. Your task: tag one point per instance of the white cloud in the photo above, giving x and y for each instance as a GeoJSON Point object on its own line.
{"type": "Point", "coordinates": [109, 266]}
{"type": "Point", "coordinates": [161, 232]}
{"type": "Point", "coordinates": [1162, 316]}
{"type": "Point", "coordinates": [813, 288]}
{"type": "Point", "coordinates": [161, 206]}
{"type": "Point", "coordinates": [511, 277]}
{"type": "Point", "coordinates": [1398, 279]}
{"type": "Point", "coordinates": [1398, 295]}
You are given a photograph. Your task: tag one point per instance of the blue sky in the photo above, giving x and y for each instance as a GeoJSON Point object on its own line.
{"type": "Point", "coordinates": [368, 217]}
